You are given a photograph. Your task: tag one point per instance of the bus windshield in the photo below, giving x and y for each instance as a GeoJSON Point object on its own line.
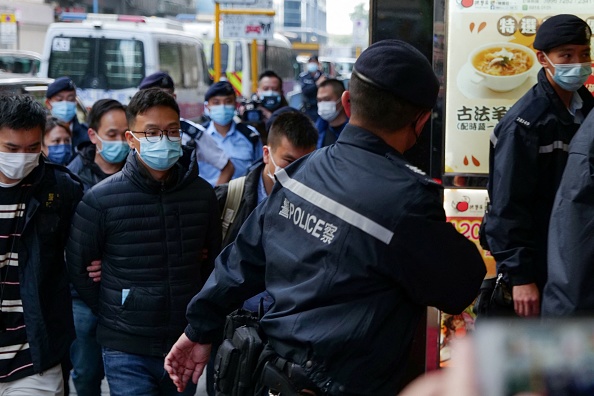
{"type": "Point", "coordinates": [98, 63]}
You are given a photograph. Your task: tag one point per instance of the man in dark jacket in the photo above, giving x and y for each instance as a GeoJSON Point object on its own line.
{"type": "Point", "coordinates": [310, 80]}
{"type": "Point", "coordinates": [149, 225]}
{"type": "Point", "coordinates": [103, 156]}
{"type": "Point", "coordinates": [570, 284]}
{"type": "Point", "coordinates": [37, 200]}
{"type": "Point", "coordinates": [351, 261]}
{"type": "Point", "coordinates": [528, 156]}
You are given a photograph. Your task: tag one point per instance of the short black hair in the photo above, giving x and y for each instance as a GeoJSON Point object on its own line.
{"type": "Point", "coordinates": [337, 86]}
{"type": "Point", "coordinates": [379, 108]}
{"type": "Point", "coordinates": [270, 73]}
{"type": "Point", "coordinates": [101, 107]}
{"type": "Point", "coordinates": [146, 99]}
{"type": "Point", "coordinates": [21, 112]}
{"type": "Point", "coordinates": [52, 122]}
{"type": "Point", "coordinates": [296, 127]}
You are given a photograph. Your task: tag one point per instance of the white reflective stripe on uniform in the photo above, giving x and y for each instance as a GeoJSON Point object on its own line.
{"type": "Point", "coordinates": [557, 145]}
{"type": "Point", "coordinates": [335, 208]}
{"type": "Point", "coordinates": [493, 138]}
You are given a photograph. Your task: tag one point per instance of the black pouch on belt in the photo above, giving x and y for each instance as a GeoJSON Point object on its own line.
{"type": "Point", "coordinates": [247, 340]}
{"type": "Point", "coordinates": [277, 381]}
{"type": "Point", "coordinates": [225, 368]}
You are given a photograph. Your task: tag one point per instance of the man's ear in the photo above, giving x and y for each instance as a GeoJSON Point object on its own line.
{"type": "Point", "coordinates": [92, 135]}
{"type": "Point", "coordinates": [48, 104]}
{"type": "Point", "coordinates": [265, 154]}
{"type": "Point", "coordinates": [346, 103]}
{"type": "Point", "coordinates": [132, 142]}
{"type": "Point", "coordinates": [421, 121]}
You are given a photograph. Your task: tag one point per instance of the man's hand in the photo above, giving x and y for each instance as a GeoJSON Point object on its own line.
{"type": "Point", "coordinates": [94, 270]}
{"type": "Point", "coordinates": [526, 300]}
{"type": "Point", "coordinates": [186, 359]}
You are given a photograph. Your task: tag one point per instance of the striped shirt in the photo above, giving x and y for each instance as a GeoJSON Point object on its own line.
{"type": "Point", "coordinates": [15, 357]}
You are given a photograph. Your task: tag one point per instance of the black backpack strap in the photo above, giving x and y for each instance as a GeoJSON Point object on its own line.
{"type": "Point", "coordinates": [192, 129]}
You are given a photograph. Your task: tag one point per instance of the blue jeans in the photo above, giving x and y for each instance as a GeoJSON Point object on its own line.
{"type": "Point", "coordinates": [85, 352]}
{"type": "Point", "coordinates": [131, 375]}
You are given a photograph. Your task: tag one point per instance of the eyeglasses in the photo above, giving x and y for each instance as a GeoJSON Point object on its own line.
{"type": "Point", "coordinates": [154, 135]}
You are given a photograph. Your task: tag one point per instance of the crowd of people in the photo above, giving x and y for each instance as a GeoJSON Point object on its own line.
{"type": "Point", "coordinates": [126, 242]}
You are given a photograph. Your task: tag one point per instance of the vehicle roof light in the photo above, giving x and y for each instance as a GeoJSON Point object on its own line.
{"type": "Point", "coordinates": [131, 18]}
{"type": "Point", "coordinates": [73, 16]}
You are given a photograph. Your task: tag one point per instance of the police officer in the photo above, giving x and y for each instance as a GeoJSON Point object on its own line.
{"type": "Point", "coordinates": [310, 80]}
{"type": "Point", "coordinates": [528, 156]}
{"type": "Point", "coordinates": [61, 102]}
{"type": "Point", "coordinates": [350, 262]}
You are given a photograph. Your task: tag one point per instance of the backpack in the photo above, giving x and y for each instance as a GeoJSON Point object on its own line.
{"type": "Point", "coordinates": [232, 202]}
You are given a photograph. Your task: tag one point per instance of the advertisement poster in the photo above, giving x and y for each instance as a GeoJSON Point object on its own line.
{"type": "Point", "coordinates": [464, 208]}
{"type": "Point", "coordinates": [482, 34]}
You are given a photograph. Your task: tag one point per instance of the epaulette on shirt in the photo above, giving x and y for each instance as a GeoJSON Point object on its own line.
{"type": "Point", "coordinates": [420, 175]}
{"type": "Point", "coordinates": [532, 111]}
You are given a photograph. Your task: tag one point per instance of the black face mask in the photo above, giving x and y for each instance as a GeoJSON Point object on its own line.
{"type": "Point", "coordinates": [271, 102]}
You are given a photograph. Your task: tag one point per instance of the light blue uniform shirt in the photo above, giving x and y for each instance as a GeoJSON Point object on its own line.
{"type": "Point", "coordinates": [237, 146]}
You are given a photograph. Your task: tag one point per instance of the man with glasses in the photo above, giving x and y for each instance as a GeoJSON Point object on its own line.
{"type": "Point", "coordinates": [103, 156]}
{"type": "Point", "coordinates": [149, 225]}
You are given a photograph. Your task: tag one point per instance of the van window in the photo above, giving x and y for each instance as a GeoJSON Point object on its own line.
{"type": "Point", "coordinates": [224, 56]}
{"type": "Point", "coordinates": [190, 65]}
{"type": "Point", "coordinates": [98, 62]}
{"type": "Point", "coordinates": [205, 74]}
{"type": "Point", "coordinates": [170, 61]}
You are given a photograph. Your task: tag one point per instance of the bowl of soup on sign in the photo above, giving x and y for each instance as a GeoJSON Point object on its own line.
{"type": "Point", "coordinates": [502, 67]}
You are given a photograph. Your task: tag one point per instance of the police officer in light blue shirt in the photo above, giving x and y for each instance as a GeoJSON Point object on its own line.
{"type": "Point", "coordinates": [239, 141]}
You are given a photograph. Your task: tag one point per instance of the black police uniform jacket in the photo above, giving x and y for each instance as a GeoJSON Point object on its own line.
{"type": "Point", "coordinates": [570, 286]}
{"type": "Point", "coordinates": [351, 262]}
{"type": "Point", "coordinates": [248, 202]}
{"type": "Point", "coordinates": [528, 156]}
{"type": "Point", "coordinates": [309, 92]}
{"type": "Point", "coordinates": [45, 293]}
{"type": "Point", "coordinates": [149, 237]}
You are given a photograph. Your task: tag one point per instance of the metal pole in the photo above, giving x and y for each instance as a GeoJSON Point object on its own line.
{"type": "Point", "coordinates": [217, 44]}
{"type": "Point", "coordinates": [95, 6]}
{"type": "Point", "coordinates": [254, 65]}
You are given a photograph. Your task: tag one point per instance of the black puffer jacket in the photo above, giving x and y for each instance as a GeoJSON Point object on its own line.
{"type": "Point", "coordinates": [150, 238]}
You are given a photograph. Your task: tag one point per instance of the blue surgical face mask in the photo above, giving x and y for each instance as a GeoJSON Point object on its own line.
{"type": "Point", "coordinates": [312, 67]}
{"type": "Point", "coordinates": [161, 155]}
{"type": "Point", "coordinates": [59, 153]}
{"type": "Point", "coordinates": [270, 100]}
{"type": "Point", "coordinates": [570, 76]}
{"type": "Point", "coordinates": [222, 114]}
{"type": "Point", "coordinates": [113, 152]}
{"type": "Point", "coordinates": [64, 110]}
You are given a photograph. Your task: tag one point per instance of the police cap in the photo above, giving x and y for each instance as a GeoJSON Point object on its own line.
{"type": "Point", "coordinates": [222, 88]}
{"type": "Point", "coordinates": [399, 68]}
{"type": "Point", "coordinates": [562, 29]}
{"type": "Point", "coordinates": [59, 85]}
{"type": "Point", "coordinates": [157, 80]}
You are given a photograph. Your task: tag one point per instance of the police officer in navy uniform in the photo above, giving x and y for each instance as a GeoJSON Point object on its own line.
{"type": "Point", "coordinates": [528, 155]}
{"type": "Point", "coordinates": [352, 261]}
{"type": "Point", "coordinates": [310, 80]}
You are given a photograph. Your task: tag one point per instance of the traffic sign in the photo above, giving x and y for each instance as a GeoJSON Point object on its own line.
{"type": "Point", "coordinates": [248, 26]}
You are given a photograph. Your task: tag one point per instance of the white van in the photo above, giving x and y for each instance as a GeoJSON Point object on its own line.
{"type": "Point", "coordinates": [108, 55]}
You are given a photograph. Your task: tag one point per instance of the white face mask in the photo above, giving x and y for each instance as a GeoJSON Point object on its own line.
{"type": "Point", "coordinates": [276, 167]}
{"type": "Point", "coordinates": [17, 166]}
{"type": "Point", "coordinates": [327, 110]}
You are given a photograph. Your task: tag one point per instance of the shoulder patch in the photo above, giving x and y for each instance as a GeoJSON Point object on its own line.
{"type": "Point", "coordinates": [532, 111]}
{"type": "Point", "coordinates": [421, 176]}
